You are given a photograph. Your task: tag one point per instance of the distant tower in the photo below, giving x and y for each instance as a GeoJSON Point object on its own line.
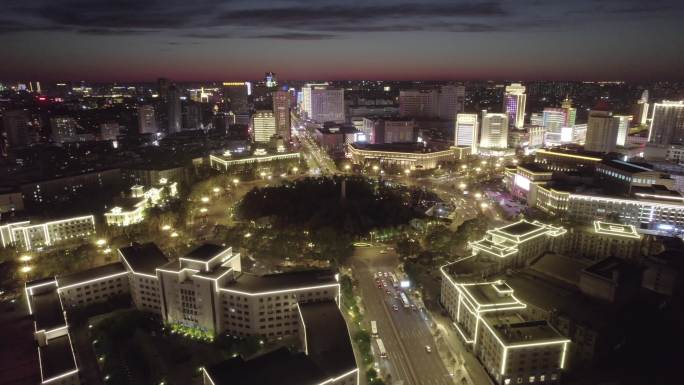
{"type": "Point", "coordinates": [147, 123]}
{"type": "Point", "coordinates": [174, 109]}
{"type": "Point", "coordinates": [570, 112]}
{"type": "Point", "coordinates": [667, 123]}
{"type": "Point", "coordinates": [263, 126]}
{"type": "Point", "coordinates": [281, 109]}
{"type": "Point", "coordinates": [514, 105]}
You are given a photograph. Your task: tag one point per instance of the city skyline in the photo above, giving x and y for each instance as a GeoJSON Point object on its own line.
{"type": "Point", "coordinates": [463, 40]}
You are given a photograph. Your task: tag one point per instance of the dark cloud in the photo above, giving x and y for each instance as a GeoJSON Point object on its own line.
{"type": "Point", "coordinates": [295, 36]}
{"type": "Point", "coordinates": [114, 32]}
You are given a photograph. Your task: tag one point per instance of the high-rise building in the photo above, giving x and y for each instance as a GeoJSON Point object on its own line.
{"type": "Point", "coordinates": [109, 130]}
{"type": "Point", "coordinates": [17, 128]}
{"type": "Point", "coordinates": [667, 123]}
{"type": "Point", "coordinates": [494, 130]}
{"type": "Point", "coordinates": [602, 129]}
{"type": "Point", "coordinates": [263, 125]}
{"type": "Point", "coordinates": [271, 80]}
{"type": "Point", "coordinates": [641, 109]}
{"type": "Point", "coordinates": [236, 96]}
{"type": "Point", "coordinates": [323, 104]}
{"type": "Point", "coordinates": [514, 105]}
{"type": "Point", "coordinates": [466, 132]}
{"type": "Point", "coordinates": [419, 103]}
{"type": "Point", "coordinates": [281, 109]}
{"type": "Point", "coordinates": [174, 113]}
{"type": "Point", "coordinates": [451, 101]}
{"type": "Point", "coordinates": [63, 128]}
{"type": "Point", "coordinates": [570, 112]}
{"type": "Point", "coordinates": [147, 124]}
{"type": "Point", "coordinates": [192, 116]}
{"type": "Point", "coordinates": [163, 85]}
{"type": "Point", "coordinates": [553, 119]}
{"type": "Point", "coordinates": [623, 122]}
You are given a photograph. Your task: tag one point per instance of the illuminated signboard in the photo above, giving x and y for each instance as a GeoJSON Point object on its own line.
{"type": "Point", "coordinates": [522, 182]}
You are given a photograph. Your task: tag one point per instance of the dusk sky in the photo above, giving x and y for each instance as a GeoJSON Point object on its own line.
{"type": "Point", "coordinates": [140, 40]}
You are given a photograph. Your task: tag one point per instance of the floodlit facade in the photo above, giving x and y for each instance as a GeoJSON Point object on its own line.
{"type": "Point", "coordinates": [130, 211]}
{"type": "Point", "coordinates": [623, 122]}
{"type": "Point", "coordinates": [494, 130]}
{"type": "Point", "coordinates": [467, 132]}
{"type": "Point", "coordinates": [514, 101]}
{"type": "Point", "coordinates": [513, 346]}
{"type": "Point", "coordinates": [281, 109]}
{"type": "Point", "coordinates": [405, 155]}
{"type": "Point", "coordinates": [667, 123]}
{"type": "Point", "coordinates": [227, 161]}
{"type": "Point", "coordinates": [26, 236]}
{"type": "Point", "coordinates": [263, 125]}
{"type": "Point", "coordinates": [323, 104]}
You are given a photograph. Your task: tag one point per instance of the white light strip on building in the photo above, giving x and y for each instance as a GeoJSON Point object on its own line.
{"type": "Point", "coordinates": [283, 290]}
{"type": "Point", "coordinates": [92, 281]}
{"type": "Point", "coordinates": [301, 317]}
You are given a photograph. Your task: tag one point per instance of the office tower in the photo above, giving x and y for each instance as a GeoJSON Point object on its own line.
{"type": "Point", "coordinates": [553, 119]}
{"type": "Point", "coordinates": [466, 132]}
{"type": "Point", "coordinates": [281, 109]}
{"type": "Point", "coordinates": [570, 112]}
{"type": "Point", "coordinates": [514, 105]}
{"type": "Point", "coordinates": [192, 116]}
{"type": "Point", "coordinates": [236, 96]}
{"type": "Point", "coordinates": [494, 130]}
{"type": "Point", "coordinates": [147, 124]}
{"type": "Point", "coordinates": [271, 80]}
{"type": "Point", "coordinates": [419, 103]}
{"type": "Point", "coordinates": [641, 109]}
{"type": "Point", "coordinates": [174, 110]}
{"type": "Point", "coordinates": [63, 128]}
{"type": "Point", "coordinates": [163, 85]}
{"type": "Point", "coordinates": [451, 101]}
{"type": "Point", "coordinates": [623, 128]}
{"type": "Point", "coordinates": [323, 104]}
{"type": "Point", "coordinates": [602, 129]}
{"type": "Point", "coordinates": [17, 128]}
{"type": "Point", "coordinates": [667, 123]}
{"type": "Point", "coordinates": [263, 126]}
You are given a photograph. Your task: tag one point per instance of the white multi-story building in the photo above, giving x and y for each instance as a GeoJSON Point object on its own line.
{"type": "Point", "coordinates": [467, 131]}
{"type": "Point", "coordinates": [623, 122]}
{"type": "Point", "coordinates": [27, 236]}
{"type": "Point", "coordinates": [514, 100]}
{"type": "Point", "coordinates": [263, 126]}
{"type": "Point", "coordinates": [602, 131]}
{"type": "Point", "coordinates": [667, 123]}
{"type": "Point", "coordinates": [553, 119]}
{"type": "Point", "coordinates": [494, 130]}
{"type": "Point", "coordinates": [131, 210]}
{"type": "Point", "coordinates": [323, 104]}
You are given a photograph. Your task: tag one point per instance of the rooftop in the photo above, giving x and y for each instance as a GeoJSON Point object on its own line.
{"type": "Point", "coordinates": [47, 310]}
{"type": "Point", "coordinates": [279, 367]}
{"type": "Point", "coordinates": [204, 252]}
{"type": "Point", "coordinates": [627, 166]}
{"type": "Point", "coordinates": [520, 228]}
{"type": "Point", "coordinates": [491, 294]}
{"type": "Point", "coordinates": [252, 283]}
{"type": "Point", "coordinates": [89, 274]}
{"type": "Point", "coordinates": [57, 357]}
{"type": "Point", "coordinates": [534, 167]}
{"type": "Point", "coordinates": [613, 268]}
{"type": "Point", "coordinates": [513, 330]}
{"type": "Point", "coordinates": [328, 341]}
{"type": "Point", "coordinates": [617, 229]}
{"type": "Point", "coordinates": [143, 258]}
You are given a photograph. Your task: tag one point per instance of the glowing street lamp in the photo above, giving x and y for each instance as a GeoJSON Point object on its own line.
{"type": "Point", "coordinates": [236, 181]}
{"type": "Point", "coordinates": [462, 186]}
{"type": "Point", "coordinates": [295, 169]}
{"type": "Point", "coordinates": [347, 167]}
{"type": "Point", "coordinates": [216, 190]}
{"type": "Point", "coordinates": [26, 269]}
{"type": "Point", "coordinates": [204, 199]}
{"type": "Point", "coordinates": [166, 227]}
{"type": "Point", "coordinates": [101, 242]}
{"type": "Point", "coordinates": [376, 168]}
{"type": "Point", "coordinates": [478, 195]}
{"type": "Point", "coordinates": [174, 234]}
{"type": "Point", "coordinates": [25, 258]}
{"type": "Point", "coordinates": [484, 205]}
{"type": "Point", "coordinates": [407, 172]}
{"type": "Point", "coordinates": [203, 210]}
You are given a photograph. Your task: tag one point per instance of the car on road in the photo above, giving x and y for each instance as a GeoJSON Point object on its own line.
{"type": "Point", "coordinates": [388, 292]}
{"type": "Point", "coordinates": [383, 251]}
{"type": "Point", "coordinates": [428, 349]}
{"type": "Point", "coordinates": [395, 307]}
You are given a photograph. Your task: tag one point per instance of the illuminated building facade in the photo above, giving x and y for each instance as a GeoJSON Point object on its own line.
{"type": "Point", "coordinates": [228, 161]}
{"type": "Point", "coordinates": [514, 101]}
{"type": "Point", "coordinates": [604, 239]}
{"type": "Point", "coordinates": [413, 156]}
{"type": "Point", "coordinates": [667, 123]}
{"type": "Point", "coordinates": [281, 109]}
{"type": "Point", "coordinates": [623, 122]}
{"type": "Point", "coordinates": [147, 122]}
{"type": "Point", "coordinates": [131, 210]}
{"type": "Point", "coordinates": [64, 129]}
{"type": "Point", "coordinates": [27, 236]}
{"type": "Point", "coordinates": [494, 130]}
{"type": "Point", "coordinates": [513, 346]}
{"type": "Point", "coordinates": [322, 104]}
{"type": "Point", "coordinates": [467, 132]}
{"type": "Point", "coordinates": [263, 126]}
{"type": "Point", "coordinates": [235, 96]}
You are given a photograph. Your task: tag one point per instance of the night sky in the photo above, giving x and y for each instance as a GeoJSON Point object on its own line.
{"type": "Point", "coordinates": [140, 40]}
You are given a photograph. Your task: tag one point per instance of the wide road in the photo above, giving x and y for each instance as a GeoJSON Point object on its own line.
{"type": "Point", "coordinates": [404, 332]}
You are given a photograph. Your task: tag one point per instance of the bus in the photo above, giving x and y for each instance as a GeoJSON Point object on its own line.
{"type": "Point", "coordinates": [404, 300]}
{"type": "Point", "coordinates": [374, 328]}
{"type": "Point", "coordinates": [381, 348]}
